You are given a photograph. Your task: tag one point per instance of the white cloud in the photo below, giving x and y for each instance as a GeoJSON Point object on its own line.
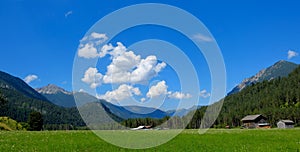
{"type": "Point", "coordinates": [202, 38]}
{"type": "Point", "coordinates": [127, 67]}
{"type": "Point", "coordinates": [179, 95]}
{"type": "Point", "coordinates": [120, 49]}
{"type": "Point", "coordinates": [292, 54]}
{"type": "Point", "coordinates": [68, 13]}
{"type": "Point", "coordinates": [161, 88]}
{"type": "Point", "coordinates": [88, 51]}
{"type": "Point", "coordinates": [204, 94]}
{"type": "Point", "coordinates": [92, 77]}
{"type": "Point", "coordinates": [88, 45]}
{"type": "Point", "coordinates": [157, 90]}
{"type": "Point", "coordinates": [98, 38]}
{"type": "Point", "coordinates": [123, 92]}
{"type": "Point", "coordinates": [28, 79]}
{"type": "Point", "coordinates": [119, 69]}
{"type": "Point", "coordinates": [146, 70]}
{"type": "Point", "coordinates": [104, 50]}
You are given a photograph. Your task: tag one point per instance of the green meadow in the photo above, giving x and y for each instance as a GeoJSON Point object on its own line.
{"type": "Point", "coordinates": [188, 140]}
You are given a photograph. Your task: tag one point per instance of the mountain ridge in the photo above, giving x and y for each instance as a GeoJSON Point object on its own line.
{"type": "Point", "coordinates": [64, 98]}
{"type": "Point", "coordinates": [61, 97]}
{"type": "Point", "coordinates": [21, 100]}
{"type": "Point", "coordinates": [8, 81]}
{"type": "Point", "coordinates": [280, 69]}
{"type": "Point", "coordinates": [51, 89]}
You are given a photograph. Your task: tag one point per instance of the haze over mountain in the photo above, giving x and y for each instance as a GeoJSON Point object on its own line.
{"type": "Point", "coordinates": [279, 69]}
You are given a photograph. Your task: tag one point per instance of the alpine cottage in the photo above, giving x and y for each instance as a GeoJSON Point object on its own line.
{"type": "Point", "coordinates": [255, 121]}
{"type": "Point", "coordinates": [285, 124]}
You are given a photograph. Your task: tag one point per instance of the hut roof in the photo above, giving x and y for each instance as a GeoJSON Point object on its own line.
{"type": "Point", "coordinates": [287, 121]}
{"type": "Point", "coordinates": [252, 117]}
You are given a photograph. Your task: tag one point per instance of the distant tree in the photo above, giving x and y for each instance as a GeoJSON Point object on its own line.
{"type": "Point", "coordinates": [3, 100]}
{"type": "Point", "coordinates": [35, 121]}
{"type": "Point", "coordinates": [25, 125]}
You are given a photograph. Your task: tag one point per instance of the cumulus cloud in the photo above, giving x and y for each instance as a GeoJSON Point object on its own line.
{"type": "Point", "coordinates": [94, 37]}
{"type": "Point", "coordinates": [127, 67]}
{"type": "Point", "coordinates": [157, 90]}
{"type": "Point", "coordinates": [179, 95]}
{"type": "Point", "coordinates": [88, 51]}
{"type": "Point", "coordinates": [105, 49]}
{"type": "Point", "coordinates": [204, 94]}
{"type": "Point", "coordinates": [120, 49]}
{"type": "Point", "coordinates": [28, 79]}
{"type": "Point", "coordinates": [292, 54]}
{"type": "Point", "coordinates": [88, 45]}
{"type": "Point", "coordinates": [123, 92]}
{"type": "Point", "coordinates": [98, 38]}
{"type": "Point", "coordinates": [119, 69]}
{"type": "Point", "coordinates": [202, 38]}
{"type": "Point", "coordinates": [146, 70]}
{"type": "Point", "coordinates": [161, 88]}
{"type": "Point", "coordinates": [92, 77]}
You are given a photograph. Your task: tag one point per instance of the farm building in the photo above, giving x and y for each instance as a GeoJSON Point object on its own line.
{"type": "Point", "coordinates": [255, 121]}
{"type": "Point", "coordinates": [142, 128]}
{"type": "Point", "coordinates": [285, 124]}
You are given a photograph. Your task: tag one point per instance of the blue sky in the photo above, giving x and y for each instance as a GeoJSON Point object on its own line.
{"type": "Point", "coordinates": [41, 37]}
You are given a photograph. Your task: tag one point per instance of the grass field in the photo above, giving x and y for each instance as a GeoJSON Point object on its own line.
{"type": "Point", "coordinates": [188, 140]}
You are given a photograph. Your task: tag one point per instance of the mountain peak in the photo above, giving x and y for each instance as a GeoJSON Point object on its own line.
{"type": "Point", "coordinates": [52, 89]}
{"type": "Point", "coordinates": [283, 62]}
{"type": "Point", "coordinates": [281, 68]}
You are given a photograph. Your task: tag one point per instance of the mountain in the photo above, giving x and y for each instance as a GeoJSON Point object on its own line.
{"type": "Point", "coordinates": [52, 89]}
{"type": "Point", "coordinates": [279, 69]}
{"type": "Point", "coordinates": [133, 111]}
{"type": "Point", "coordinates": [276, 99]}
{"type": "Point", "coordinates": [21, 100]}
{"type": "Point", "coordinates": [61, 97]}
{"type": "Point", "coordinates": [13, 83]}
{"type": "Point", "coordinates": [182, 112]}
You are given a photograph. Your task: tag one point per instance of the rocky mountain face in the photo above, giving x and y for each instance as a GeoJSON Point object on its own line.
{"type": "Point", "coordinates": [279, 69]}
{"type": "Point", "coordinates": [52, 89]}
{"type": "Point", "coordinates": [61, 97]}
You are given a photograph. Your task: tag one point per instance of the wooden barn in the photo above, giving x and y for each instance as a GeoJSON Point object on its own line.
{"type": "Point", "coordinates": [285, 124]}
{"type": "Point", "coordinates": [255, 121]}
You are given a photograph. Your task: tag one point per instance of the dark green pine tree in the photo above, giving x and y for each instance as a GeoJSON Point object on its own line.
{"type": "Point", "coordinates": [3, 100]}
{"type": "Point", "coordinates": [35, 121]}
